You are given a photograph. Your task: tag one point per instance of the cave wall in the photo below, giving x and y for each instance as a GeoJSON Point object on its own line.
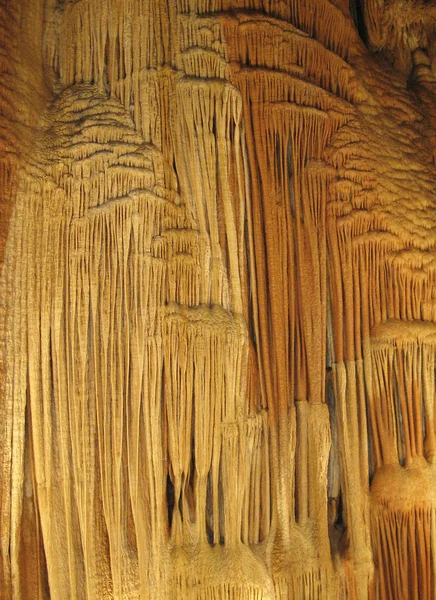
{"type": "Point", "coordinates": [218, 300]}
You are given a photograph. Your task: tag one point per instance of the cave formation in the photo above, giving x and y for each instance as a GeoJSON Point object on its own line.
{"type": "Point", "coordinates": [217, 299]}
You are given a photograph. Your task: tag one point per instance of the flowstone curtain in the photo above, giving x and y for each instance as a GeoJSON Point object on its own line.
{"type": "Point", "coordinates": [218, 300]}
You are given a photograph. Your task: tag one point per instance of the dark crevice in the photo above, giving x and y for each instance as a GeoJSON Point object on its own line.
{"type": "Point", "coordinates": [170, 500]}
{"type": "Point", "coordinates": [356, 10]}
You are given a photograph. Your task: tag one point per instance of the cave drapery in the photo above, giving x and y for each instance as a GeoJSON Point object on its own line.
{"type": "Point", "coordinates": [217, 299]}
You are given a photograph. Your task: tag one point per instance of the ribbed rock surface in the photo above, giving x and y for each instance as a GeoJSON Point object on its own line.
{"type": "Point", "coordinates": [218, 300]}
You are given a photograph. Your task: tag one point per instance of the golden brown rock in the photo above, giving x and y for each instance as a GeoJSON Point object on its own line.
{"type": "Point", "coordinates": [218, 300]}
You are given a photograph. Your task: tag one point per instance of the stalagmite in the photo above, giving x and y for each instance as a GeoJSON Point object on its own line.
{"type": "Point", "coordinates": [217, 300]}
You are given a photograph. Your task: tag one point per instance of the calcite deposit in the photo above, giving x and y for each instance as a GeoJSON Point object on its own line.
{"type": "Point", "coordinates": [217, 300]}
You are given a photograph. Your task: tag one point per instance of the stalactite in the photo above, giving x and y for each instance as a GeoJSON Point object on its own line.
{"type": "Point", "coordinates": [217, 301]}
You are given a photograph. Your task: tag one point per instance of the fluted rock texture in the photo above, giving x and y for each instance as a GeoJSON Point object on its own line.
{"type": "Point", "coordinates": [217, 300]}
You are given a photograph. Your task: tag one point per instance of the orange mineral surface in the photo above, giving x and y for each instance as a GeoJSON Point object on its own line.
{"type": "Point", "coordinates": [217, 300]}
